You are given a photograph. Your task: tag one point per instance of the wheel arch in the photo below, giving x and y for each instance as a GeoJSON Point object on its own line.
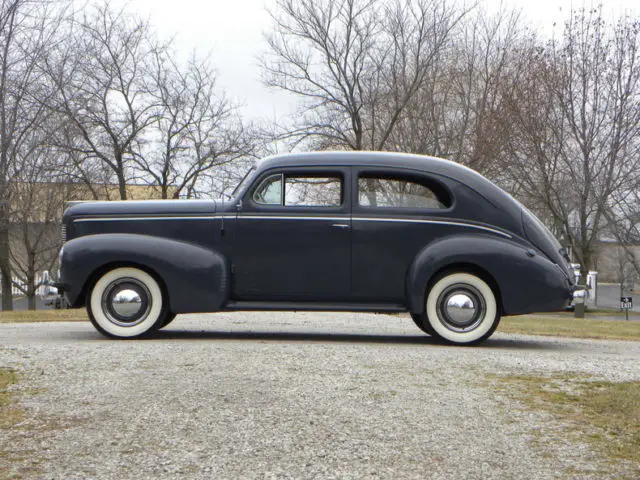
{"type": "Point", "coordinates": [194, 278]}
{"type": "Point", "coordinates": [98, 272]}
{"type": "Point", "coordinates": [467, 267]}
{"type": "Point", "coordinates": [492, 259]}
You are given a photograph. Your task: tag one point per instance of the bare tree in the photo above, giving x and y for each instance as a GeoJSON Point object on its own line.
{"type": "Point", "coordinates": [455, 113]}
{"type": "Point", "coordinates": [39, 196]}
{"type": "Point", "coordinates": [101, 74]}
{"type": "Point", "coordinates": [623, 223]}
{"type": "Point", "coordinates": [197, 132]}
{"type": "Point", "coordinates": [27, 29]}
{"type": "Point", "coordinates": [357, 64]}
{"type": "Point", "coordinates": [578, 118]}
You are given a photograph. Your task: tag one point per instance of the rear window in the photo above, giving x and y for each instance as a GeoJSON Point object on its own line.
{"type": "Point", "coordinates": [384, 191]}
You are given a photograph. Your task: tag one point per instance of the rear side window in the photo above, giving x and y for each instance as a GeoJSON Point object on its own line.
{"type": "Point", "coordinates": [293, 190]}
{"type": "Point", "coordinates": [384, 191]}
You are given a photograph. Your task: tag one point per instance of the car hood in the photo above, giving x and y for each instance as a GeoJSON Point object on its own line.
{"type": "Point", "coordinates": [143, 207]}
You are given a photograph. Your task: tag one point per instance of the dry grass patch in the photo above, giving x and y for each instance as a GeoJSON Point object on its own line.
{"type": "Point", "coordinates": [10, 414]}
{"type": "Point", "coordinates": [571, 327]}
{"type": "Point", "coordinates": [606, 415]}
{"type": "Point", "coordinates": [30, 316]}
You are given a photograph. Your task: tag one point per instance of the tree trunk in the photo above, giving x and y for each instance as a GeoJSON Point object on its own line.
{"type": "Point", "coordinates": [31, 299]}
{"type": "Point", "coordinates": [7, 298]}
{"type": "Point", "coordinates": [31, 283]}
{"type": "Point", "coordinates": [122, 186]}
{"type": "Point", "coordinates": [5, 267]}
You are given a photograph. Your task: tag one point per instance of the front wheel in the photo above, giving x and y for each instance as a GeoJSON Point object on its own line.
{"type": "Point", "coordinates": [127, 303]}
{"type": "Point", "coordinates": [422, 322]}
{"type": "Point", "coordinates": [170, 318]}
{"type": "Point", "coordinates": [461, 308]}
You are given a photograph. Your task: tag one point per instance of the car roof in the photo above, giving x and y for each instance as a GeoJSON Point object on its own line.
{"type": "Point", "coordinates": [360, 158]}
{"type": "Point", "coordinates": [424, 163]}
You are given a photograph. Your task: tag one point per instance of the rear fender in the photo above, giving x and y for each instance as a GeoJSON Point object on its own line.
{"type": "Point", "coordinates": [526, 281]}
{"type": "Point", "coordinates": [196, 279]}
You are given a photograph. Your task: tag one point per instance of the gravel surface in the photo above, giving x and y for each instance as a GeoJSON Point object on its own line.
{"type": "Point", "coordinates": [290, 395]}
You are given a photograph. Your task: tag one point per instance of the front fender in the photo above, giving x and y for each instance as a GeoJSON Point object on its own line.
{"type": "Point", "coordinates": [527, 280]}
{"type": "Point", "coordinates": [196, 278]}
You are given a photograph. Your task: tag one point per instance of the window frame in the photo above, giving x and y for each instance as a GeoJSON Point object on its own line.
{"type": "Point", "coordinates": [341, 172]}
{"type": "Point", "coordinates": [262, 182]}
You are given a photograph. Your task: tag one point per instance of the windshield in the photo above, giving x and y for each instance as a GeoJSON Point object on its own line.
{"type": "Point", "coordinates": [244, 181]}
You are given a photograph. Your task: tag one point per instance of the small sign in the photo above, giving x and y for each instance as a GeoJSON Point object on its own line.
{"type": "Point", "coordinates": [626, 303]}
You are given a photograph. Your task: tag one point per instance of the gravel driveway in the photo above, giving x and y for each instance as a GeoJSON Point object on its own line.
{"type": "Point", "coordinates": [289, 395]}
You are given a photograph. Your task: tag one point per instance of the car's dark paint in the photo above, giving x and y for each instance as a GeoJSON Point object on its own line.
{"type": "Point", "coordinates": [191, 221]}
{"type": "Point", "coordinates": [198, 282]}
{"type": "Point", "coordinates": [242, 255]}
{"type": "Point", "coordinates": [306, 254]}
{"type": "Point", "coordinates": [526, 283]}
{"type": "Point", "coordinates": [390, 247]}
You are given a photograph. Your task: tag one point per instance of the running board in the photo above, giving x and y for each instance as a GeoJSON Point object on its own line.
{"type": "Point", "coordinates": [315, 306]}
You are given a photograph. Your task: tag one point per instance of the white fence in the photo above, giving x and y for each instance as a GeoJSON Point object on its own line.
{"type": "Point", "coordinates": [17, 283]}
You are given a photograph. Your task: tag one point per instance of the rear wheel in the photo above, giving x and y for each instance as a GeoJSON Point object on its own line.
{"type": "Point", "coordinates": [461, 308]}
{"type": "Point", "coordinates": [127, 303]}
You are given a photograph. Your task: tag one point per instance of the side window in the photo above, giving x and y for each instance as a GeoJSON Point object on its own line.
{"type": "Point", "coordinates": [396, 192]}
{"type": "Point", "coordinates": [270, 191]}
{"type": "Point", "coordinates": [312, 191]}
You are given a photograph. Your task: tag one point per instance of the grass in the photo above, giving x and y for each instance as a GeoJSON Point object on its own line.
{"type": "Point", "coordinates": [567, 326]}
{"type": "Point", "coordinates": [29, 316]}
{"type": "Point", "coordinates": [605, 415]}
{"type": "Point", "coordinates": [15, 462]}
{"type": "Point", "coordinates": [10, 415]}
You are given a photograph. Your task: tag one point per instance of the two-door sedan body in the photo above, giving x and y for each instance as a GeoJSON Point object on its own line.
{"type": "Point", "coordinates": [352, 231]}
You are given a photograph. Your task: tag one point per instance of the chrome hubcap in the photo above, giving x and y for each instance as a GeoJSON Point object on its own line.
{"type": "Point", "coordinates": [126, 302]}
{"type": "Point", "coordinates": [461, 308]}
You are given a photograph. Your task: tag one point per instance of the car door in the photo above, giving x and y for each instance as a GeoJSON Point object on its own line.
{"type": "Point", "coordinates": [292, 237]}
{"type": "Point", "coordinates": [395, 214]}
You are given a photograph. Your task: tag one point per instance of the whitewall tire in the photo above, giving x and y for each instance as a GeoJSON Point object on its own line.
{"type": "Point", "coordinates": [462, 308]}
{"type": "Point", "coordinates": [126, 303]}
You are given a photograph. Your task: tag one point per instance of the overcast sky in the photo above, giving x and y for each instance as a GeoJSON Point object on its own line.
{"type": "Point", "coordinates": [232, 30]}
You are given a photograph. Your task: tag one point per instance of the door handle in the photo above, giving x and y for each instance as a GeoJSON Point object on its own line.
{"type": "Point", "coordinates": [340, 225]}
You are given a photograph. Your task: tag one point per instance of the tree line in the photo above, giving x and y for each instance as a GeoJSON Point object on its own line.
{"type": "Point", "coordinates": [93, 99]}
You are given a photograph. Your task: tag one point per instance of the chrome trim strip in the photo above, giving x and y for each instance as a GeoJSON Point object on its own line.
{"type": "Point", "coordinates": [126, 219]}
{"type": "Point", "coordinates": [380, 219]}
{"type": "Point", "coordinates": [436, 222]}
{"type": "Point", "coordinates": [292, 217]}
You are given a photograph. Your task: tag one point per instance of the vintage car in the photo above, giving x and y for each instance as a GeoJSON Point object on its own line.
{"type": "Point", "coordinates": [335, 231]}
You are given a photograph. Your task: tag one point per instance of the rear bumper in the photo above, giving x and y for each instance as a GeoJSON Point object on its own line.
{"type": "Point", "coordinates": [579, 295]}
